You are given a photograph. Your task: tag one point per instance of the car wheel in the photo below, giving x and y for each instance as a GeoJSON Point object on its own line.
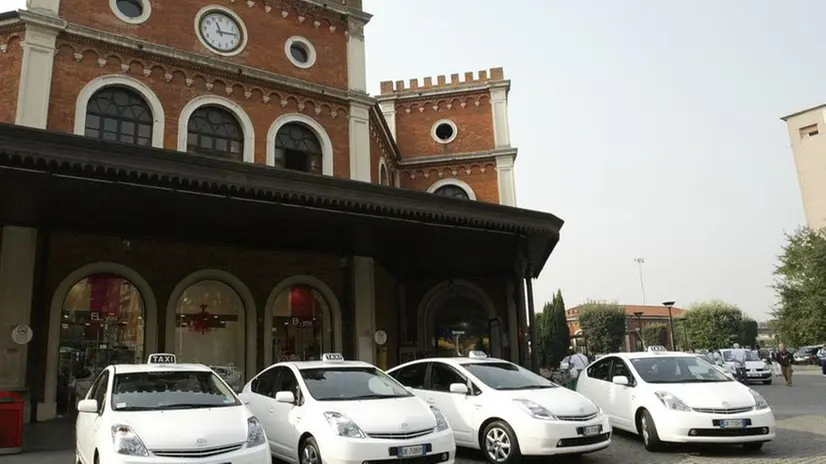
{"type": "Point", "coordinates": [755, 446]}
{"type": "Point", "coordinates": [648, 431]}
{"type": "Point", "coordinates": [499, 444]}
{"type": "Point", "coordinates": [309, 453]}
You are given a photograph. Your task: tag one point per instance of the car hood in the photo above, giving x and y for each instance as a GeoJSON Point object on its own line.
{"type": "Point", "coordinates": [715, 395]}
{"type": "Point", "coordinates": [392, 415]}
{"type": "Point", "coordinates": [181, 429]}
{"type": "Point", "coordinates": [560, 401]}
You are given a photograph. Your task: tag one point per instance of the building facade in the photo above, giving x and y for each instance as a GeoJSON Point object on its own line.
{"type": "Point", "coordinates": [808, 148]}
{"type": "Point", "coordinates": [637, 318]}
{"type": "Point", "coordinates": [211, 178]}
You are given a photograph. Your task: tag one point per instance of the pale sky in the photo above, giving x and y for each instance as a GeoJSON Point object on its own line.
{"type": "Point", "coordinates": [652, 128]}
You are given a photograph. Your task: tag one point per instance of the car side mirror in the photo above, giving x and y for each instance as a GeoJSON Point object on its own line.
{"type": "Point", "coordinates": [285, 397]}
{"type": "Point", "coordinates": [621, 380]}
{"type": "Point", "coordinates": [459, 388]}
{"type": "Point", "coordinates": [90, 406]}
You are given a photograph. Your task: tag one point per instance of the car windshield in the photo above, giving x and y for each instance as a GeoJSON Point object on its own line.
{"type": "Point", "coordinates": [752, 356]}
{"type": "Point", "coordinates": [507, 376]}
{"type": "Point", "coordinates": [677, 369]}
{"type": "Point", "coordinates": [351, 383]}
{"type": "Point", "coordinates": [160, 390]}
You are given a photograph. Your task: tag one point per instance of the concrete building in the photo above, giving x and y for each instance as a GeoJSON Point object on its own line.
{"type": "Point", "coordinates": [638, 317]}
{"type": "Point", "coordinates": [809, 147]}
{"type": "Point", "coordinates": [211, 178]}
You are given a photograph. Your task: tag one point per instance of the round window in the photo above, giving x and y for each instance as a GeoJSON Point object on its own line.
{"type": "Point", "coordinates": [130, 8]}
{"type": "Point", "coordinates": [444, 131]}
{"type": "Point", "coordinates": [299, 52]}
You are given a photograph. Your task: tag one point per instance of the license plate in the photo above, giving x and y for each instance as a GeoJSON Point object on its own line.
{"type": "Point", "coordinates": [591, 430]}
{"type": "Point", "coordinates": [732, 423]}
{"type": "Point", "coordinates": [754, 374]}
{"type": "Point", "coordinates": [411, 451]}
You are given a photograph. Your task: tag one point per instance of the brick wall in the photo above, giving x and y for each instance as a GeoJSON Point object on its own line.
{"type": "Point", "coordinates": [10, 61]}
{"type": "Point", "coordinates": [471, 112]}
{"type": "Point", "coordinates": [76, 65]}
{"type": "Point", "coordinates": [482, 177]}
{"type": "Point", "coordinates": [380, 148]}
{"type": "Point", "coordinates": [172, 23]}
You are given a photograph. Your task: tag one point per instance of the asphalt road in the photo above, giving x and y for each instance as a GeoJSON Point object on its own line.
{"type": "Point", "coordinates": [800, 412]}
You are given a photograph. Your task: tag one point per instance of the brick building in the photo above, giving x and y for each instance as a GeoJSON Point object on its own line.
{"type": "Point", "coordinates": [638, 317]}
{"type": "Point", "coordinates": [211, 178]}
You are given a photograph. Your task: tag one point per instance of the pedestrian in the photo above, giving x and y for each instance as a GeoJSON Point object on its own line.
{"type": "Point", "coordinates": [821, 356]}
{"type": "Point", "coordinates": [785, 359]}
{"type": "Point", "coordinates": [577, 362]}
{"type": "Point", "coordinates": [718, 358]}
{"type": "Point", "coordinates": [775, 365]}
{"type": "Point", "coordinates": [739, 356]}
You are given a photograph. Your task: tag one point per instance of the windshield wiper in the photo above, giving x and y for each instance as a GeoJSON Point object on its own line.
{"type": "Point", "coordinates": [527, 387]}
{"type": "Point", "coordinates": [135, 408]}
{"type": "Point", "coordinates": [193, 406]}
{"type": "Point", "coordinates": [367, 397]}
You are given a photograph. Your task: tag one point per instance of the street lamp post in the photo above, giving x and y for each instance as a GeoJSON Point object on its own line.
{"type": "Point", "coordinates": [669, 305]}
{"type": "Point", "coordinates": [640, 262]}
{"type": "Point", "coordinates": [638, 315]}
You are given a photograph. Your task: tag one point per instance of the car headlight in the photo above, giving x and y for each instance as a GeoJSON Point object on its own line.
{"type": "Point", "coordinates": [759, 401]}
{"type": "Point", "coordinates": [672, 402]}
{"type": "Point", "coordinates": [255, 433]}
{"type": "Point", "coordinates": [441, 421]}
{"type": "Point", "coordinates": [534, 410]}
{"type": "Point", "coordinates": [343, 426]}
{"type": "Point", "coordinates": [126, 442]}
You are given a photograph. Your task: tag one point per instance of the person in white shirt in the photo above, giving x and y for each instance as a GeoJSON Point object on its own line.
{"type": "Point", "coordinates": [739, 356]}
{"type": "Point", "coordinates": [577, 362]}
{"type": "Point", "coordinates": [718, 358]}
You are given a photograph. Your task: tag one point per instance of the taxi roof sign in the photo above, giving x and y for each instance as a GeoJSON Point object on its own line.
{"type": "Point", "coordinates": [162, 358]}
{"type": "Point", "coordinates": [656, 348]}
{"type": "Point", "coordinates": [476, 354]}
{"type": "Point", "coordinates": [332, 357]}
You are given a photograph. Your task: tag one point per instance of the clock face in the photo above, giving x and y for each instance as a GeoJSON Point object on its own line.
{"type": "Point", "coordinates": [221, 31]}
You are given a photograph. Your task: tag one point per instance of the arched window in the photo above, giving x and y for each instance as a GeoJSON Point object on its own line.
{"type": "Point", "coordinates": [452, 191]}
{"type": "Point", "coordinates": [208, 329]}
{"type": "Point", "coordinates": [297, 148]}
{"type": "Point", "coordinates": [119, 114]}
{"type": "Point", "coordinates": [383, 180]}
{"type": "Point", "coordinates": [214, 131]}
{"type": "Point", "coordinates": [101, 323]}
{"type": "Point", "coordinates": [301, 328]}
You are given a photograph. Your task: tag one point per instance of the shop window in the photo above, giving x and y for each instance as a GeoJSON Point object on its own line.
{"type": "Point", "coordinates": [461, 325]}
{"type": "Point", "coordinates": [119, 114]}
{"type": "Point", "coordinates": [300, 325]}
{"type": "Point", "coordinates": [297, 148]}
{"type": "Point", "coordinates": [209, 329]}
{"type": "Point", "coordinates": [215, 131]}
{"type": "Point", "coordinates": [101, 323]}
{"type": "Point", "coordinates": [452, 191]}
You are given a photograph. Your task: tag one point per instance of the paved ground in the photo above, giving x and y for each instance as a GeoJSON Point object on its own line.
{"type": "Point", "coordinates": [800, 412]}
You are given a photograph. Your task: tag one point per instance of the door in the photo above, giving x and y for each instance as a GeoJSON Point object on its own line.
{"type": "Point", "coordinates": [618, 404]}
{"type": "Point", "coordinates": [284, 417]}
{"type": "Point", "coordinates": [597, 384]}
{"type": "Point", "coordinates": [458, 408]}
{"type": "Point", "coordinates": [89, 423]}
{"type": "Point", "coordinates": [262, 393]}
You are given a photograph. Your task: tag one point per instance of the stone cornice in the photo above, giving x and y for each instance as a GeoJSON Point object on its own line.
{"type": "Point", "coordinates": [190, 59]}
{"type": "Point", "coordinates": [354, 13]}
{"type": "Point", "coordinates": [421, 93]}
{"type": "Point", "coordinates": [458, 157]}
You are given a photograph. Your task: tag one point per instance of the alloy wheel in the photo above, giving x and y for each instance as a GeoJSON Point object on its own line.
{"type": "Point", "coordinates": [309, 455]}
{"type": "Point", "coordinates": [498, 445]}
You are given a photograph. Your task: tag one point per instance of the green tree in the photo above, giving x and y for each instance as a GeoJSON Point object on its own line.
{"type": "Point", "coordinates": [800, 284]}
{"type": "Point", "coordinates": [655, 334]}
{"type": "Point", "coordinates": [603, 325]}
{"type": "Point", "coordinates": [552, 332]}
{"type": "Point", "coordinates": [713, 324]}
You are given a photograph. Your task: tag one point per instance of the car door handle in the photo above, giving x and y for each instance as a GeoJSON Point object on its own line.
{"type": "Point", "coordinates": [478, 406]}
{"type": "Point", "coordinates": [431, 400]}
{"type": "Point", "coordinates": [272, 410]}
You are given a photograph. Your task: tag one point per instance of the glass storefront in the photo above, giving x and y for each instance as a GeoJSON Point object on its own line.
{"type": "Point", "coordinates": [101, 324]}
{"type": "Point", "coordinates": [209, 329]}
{"type": "Point", "coordinates": [459, 326]}
{"type": "Point", "coordinates": [301, 328]}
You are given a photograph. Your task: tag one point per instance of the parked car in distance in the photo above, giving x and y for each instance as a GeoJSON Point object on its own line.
{"type": "Point", "coordinates": [505, 410]}
{"type": "Point", "coordinates": [667, 397]}
{"type": "Point", "coordinates": [757, 370]}
{"type": "Point", "coordinates": [806, 355]}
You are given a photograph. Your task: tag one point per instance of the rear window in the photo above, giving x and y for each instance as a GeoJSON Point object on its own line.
{"type": "Point", "coordinates": [163, 390]}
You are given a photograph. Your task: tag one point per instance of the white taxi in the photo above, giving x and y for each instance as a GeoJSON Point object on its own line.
{"type": "Point", "coordinates": [163, 412]}
{"type": "Point", "coordinates": [334, 411]}
{"type": "Point", "coordinates": [505, 410]}
{"type": "Point", "coordinates": [757, 370]}
{"type": "Point", "coordinates": [669, 397]}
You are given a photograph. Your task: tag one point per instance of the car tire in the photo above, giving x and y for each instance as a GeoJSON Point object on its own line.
{"type": "Point", "coordinates": [499, 444]}
{"type": "Point", "coordinates": [754, 446]}
{"type": "Point", "coordinates": [648, 432]}
{"type": "Point", "coordinates": [308, 452]}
